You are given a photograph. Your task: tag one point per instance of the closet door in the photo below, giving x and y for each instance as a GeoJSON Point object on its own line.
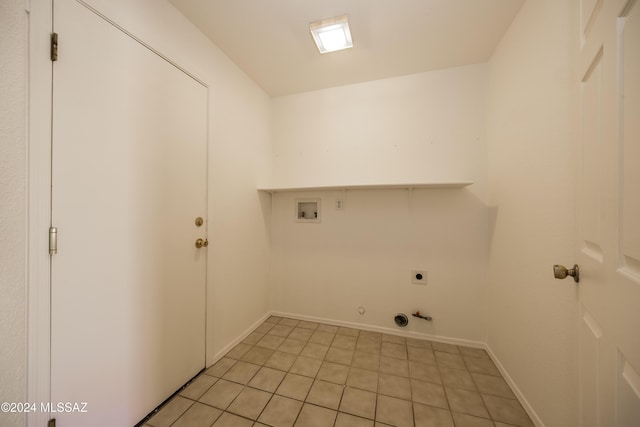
{"type": "Point", "coordinates": [129, 174]}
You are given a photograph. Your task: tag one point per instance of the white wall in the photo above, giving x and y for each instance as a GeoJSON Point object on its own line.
{"type": "Point", "coordinates": [418, 128]}
{"type": "Point", "coordinates": [532, 317]}
{"type": "Point", "coordinates": [13, 212]}
{"type": "Point", "coordinates": [421, 127]}
{"type": "Point", "coordinates": [239, 149]}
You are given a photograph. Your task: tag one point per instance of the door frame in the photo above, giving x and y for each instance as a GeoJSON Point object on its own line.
{"type": "Point", "coordinates": [40, 99]}
{"type": "Point", "coordinates": [39, 163]}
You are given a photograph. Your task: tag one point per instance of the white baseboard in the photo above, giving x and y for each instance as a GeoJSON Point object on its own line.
{"type": "Point", "coordinates": [236, 341]}
{"type": "Point", "coordinates": [523, 400]}
{"type": "Point", "coordinates": [373, 328]}
{"type": "Point", "coordinates": [382, 329]}
{"type": "Point", "coordinates": [409, 334]}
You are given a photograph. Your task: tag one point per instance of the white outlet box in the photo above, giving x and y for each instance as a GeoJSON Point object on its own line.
{"type": "Point", "coordinates": [307, 210]}
{"type": "Point", "coordinates": [419, 277]}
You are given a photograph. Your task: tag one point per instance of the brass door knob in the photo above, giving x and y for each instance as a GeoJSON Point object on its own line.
{"type": "Point", "coordinates": [560, 272]}
{"type": "Point", "coordinates": [200, 243]}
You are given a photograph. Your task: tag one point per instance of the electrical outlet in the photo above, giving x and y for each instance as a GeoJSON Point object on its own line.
{"type": "Point", "coordinates": [419, 277]}
{"type": "Point", "coordinates": [339, 204]}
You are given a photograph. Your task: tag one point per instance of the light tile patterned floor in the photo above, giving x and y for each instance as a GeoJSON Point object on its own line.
{"type": "Point", "coordinates": [296, 373]}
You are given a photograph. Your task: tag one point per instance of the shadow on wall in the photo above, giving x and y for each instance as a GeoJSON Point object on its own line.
{"type": "Point", "coordinates": [492, 219]}
{"type": "Point", "coordinates": [265, 208]}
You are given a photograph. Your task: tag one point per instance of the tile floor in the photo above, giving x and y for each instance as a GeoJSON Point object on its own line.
{"type": "Point", "coordinates": [297, 373]}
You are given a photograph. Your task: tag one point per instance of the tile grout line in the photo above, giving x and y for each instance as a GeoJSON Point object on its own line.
{"type": "Point", "coordinates": [479, 393]}
{"type": "Point", "coordinates": [344, 332]}
{"type": "Point", "coordinates": [413, 409]}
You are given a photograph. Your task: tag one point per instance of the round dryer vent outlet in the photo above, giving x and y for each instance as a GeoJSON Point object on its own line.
{"type": "Point", "coordinates": [401, 320]}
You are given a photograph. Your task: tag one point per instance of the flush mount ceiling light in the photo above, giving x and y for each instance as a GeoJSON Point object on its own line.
{"type": "Point", "coordinates": [331, 34]}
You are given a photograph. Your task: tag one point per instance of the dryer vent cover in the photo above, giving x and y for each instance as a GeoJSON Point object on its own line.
{"type": "Point", "coordinates": [401, 320]}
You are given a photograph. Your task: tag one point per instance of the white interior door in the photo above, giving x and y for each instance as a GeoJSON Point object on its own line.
{"type": "Point", "coordinates": [609, 212]}
{"type": "Point", "coordinates": [129, 180]}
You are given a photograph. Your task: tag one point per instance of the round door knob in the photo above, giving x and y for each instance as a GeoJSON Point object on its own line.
{"type": "Point", "coordinates": [200, 243]}
{"type": "Point", "coordinates": [560, 272]}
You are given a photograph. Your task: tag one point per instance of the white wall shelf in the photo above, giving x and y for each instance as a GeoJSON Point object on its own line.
{"type": "Point", "coordinates": [408, 186]}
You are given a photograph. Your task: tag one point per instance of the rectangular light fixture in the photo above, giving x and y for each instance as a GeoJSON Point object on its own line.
{"type": "Point", "coordinates": [331, 34]}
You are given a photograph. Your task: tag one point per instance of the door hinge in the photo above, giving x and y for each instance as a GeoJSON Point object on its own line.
{"type": "Point", "coordinates": [54, 46]}
{"type": "Point", "coordinates": [52, 423]}
{"type": "Point", "coordinates": [53, 240]}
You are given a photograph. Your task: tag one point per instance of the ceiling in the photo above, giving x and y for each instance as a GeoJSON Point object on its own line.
{"type": "Point", "coordinates": [270, 40]}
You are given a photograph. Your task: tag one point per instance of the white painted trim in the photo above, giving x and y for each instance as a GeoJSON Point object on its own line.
{"type": "Point", "coordinates": [476, 344]}
{"type": "Point", "coordinates": [121, 28]}
{"type": "Point", "coordinates": [39, 210]}
{"type": "Point", "coordinates": [382, 329]}
{"type": "Point", "coordinates": [402, 186]}
{"type": "Point", "coordinates": [219, 355]}
{"type": "Point", "coordinates": [523, 400]}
